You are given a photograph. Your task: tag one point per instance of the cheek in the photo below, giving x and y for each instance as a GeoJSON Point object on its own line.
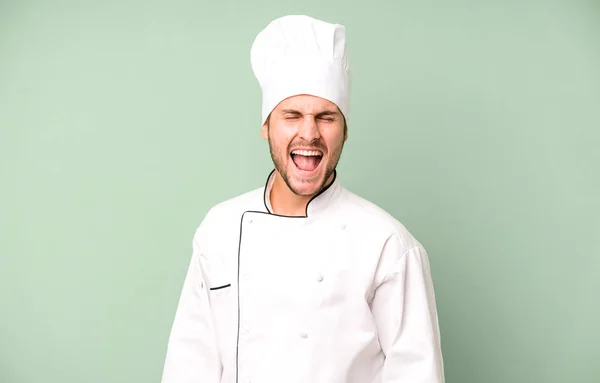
{"type": "Point", "coordinates": [334, 140]}
{"type": "Point", "coordinates": [279, 141]}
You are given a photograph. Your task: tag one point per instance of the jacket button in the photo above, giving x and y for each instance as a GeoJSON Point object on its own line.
{"type": "Point", "coordinates": [303, 335]}
{"type": "Point", "coordinates": [319, 277]}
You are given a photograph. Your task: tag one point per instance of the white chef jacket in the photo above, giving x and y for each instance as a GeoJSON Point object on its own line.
{"type": "Point", "coordinates": [343, 295]}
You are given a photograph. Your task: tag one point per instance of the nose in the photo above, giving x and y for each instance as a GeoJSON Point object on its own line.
{"type": "Point", "coordinates": [309, 131]}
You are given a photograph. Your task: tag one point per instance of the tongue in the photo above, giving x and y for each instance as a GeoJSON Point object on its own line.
{"type": "Point", "coordinates": [306, 163]}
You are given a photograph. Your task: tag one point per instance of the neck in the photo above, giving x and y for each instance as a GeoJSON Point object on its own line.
{"type": "Point", "coordinates": [285, 202]}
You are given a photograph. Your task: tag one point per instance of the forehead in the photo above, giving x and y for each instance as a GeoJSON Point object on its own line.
{"type": "Point", "coordinates": [305, 103]}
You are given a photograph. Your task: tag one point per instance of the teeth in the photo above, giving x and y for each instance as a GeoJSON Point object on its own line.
{"type": "Point", "coordinates": [307, 153]}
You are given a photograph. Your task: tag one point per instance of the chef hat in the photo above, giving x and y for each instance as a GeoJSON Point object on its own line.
{"type": "Point", "coordinates": [301, 55]}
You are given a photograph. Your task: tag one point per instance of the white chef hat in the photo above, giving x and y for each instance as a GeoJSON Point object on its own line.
{"type": "Point", "coordinates": [301, 55]}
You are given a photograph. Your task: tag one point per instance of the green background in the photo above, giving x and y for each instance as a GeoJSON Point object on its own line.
{"type": "Point", "coordinates": [123, 122]}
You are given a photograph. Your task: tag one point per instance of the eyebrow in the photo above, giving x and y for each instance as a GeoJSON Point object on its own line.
{"type": "Point", "coordinates": [320, 114]}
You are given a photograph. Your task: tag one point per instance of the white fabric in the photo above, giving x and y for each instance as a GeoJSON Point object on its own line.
{"type": "Point", "coordinates": [267, 193]}
{"type": "Point", "coordinates": [301, 55]}
{"type": "Point", "coordinates": [343, 295]}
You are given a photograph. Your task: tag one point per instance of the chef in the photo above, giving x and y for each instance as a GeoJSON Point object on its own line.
{"type": "Point", "coordinates": [302, 281]}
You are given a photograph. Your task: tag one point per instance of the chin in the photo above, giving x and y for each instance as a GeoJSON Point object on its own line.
{"type": "Point", "coordinates": [306, 186]}
{"type": "Point", "coordinates": [305, 190]}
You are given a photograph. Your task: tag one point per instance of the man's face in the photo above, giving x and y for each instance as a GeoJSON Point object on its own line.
{"type": "Point", "coordinates": [306, 136]}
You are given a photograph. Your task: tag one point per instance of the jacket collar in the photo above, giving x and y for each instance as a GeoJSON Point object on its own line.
{"type": "Point", "coordinates": [317, 205]}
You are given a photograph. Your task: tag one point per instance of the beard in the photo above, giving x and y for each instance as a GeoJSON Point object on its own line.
{"type": "Point", "coordinates": [279, 160]}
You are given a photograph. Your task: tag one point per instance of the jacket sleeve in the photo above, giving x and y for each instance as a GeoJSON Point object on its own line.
{"type": "Point", "coordinates": [192, 355]}
{"type": "Point", "coordinates": [405, 313]}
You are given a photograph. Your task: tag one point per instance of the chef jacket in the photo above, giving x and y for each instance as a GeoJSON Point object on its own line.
{"type": "Point", "coordinates": [342, 295]}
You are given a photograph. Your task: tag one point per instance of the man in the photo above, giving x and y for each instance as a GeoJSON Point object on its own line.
{"type": "Point", "coordinates": [301, 280]}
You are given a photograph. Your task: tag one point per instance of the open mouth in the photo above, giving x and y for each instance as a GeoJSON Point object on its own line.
{"type": "Point", "coordinates": [307, 161]}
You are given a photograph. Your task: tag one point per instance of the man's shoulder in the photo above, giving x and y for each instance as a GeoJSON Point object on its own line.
{"type": "Point", "coordinates": [370, 217]}
{"type": "Point", "coordinates": [229, 212]}
{"type": "Point", "coordinates": [252, 200]}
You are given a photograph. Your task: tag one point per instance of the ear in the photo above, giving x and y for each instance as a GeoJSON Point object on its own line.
{"type": "Point", "coordinates": [265, 131]}
{"type": "Point", "coordinates": [345, 122]}
{"type": "Point", "coordinates": [345, 131]}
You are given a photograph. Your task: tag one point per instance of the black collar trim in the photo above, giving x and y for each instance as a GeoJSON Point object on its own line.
{"type": "Point", "coordinates": [312, 199]}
